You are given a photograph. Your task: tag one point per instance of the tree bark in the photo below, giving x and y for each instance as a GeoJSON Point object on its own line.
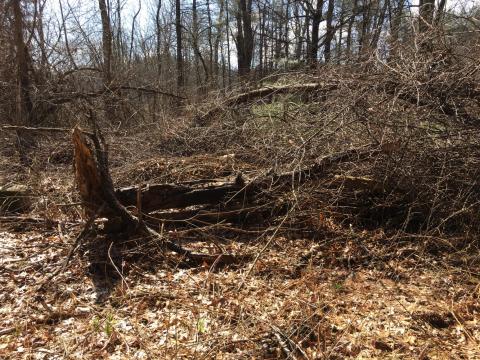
{"type": "Point", "coordinates": [317, 16]}
{"type": "Point", "coordinates": [244, 37]}
{"type": "Point", "coordinates": [158, 33]}
{"type": "Point", "coordinates": [106, 43]}
{"type": "Point", "coordinates": [178, 30]}
{"type": "Point", "coordinates": [349, 30]}
{"type": "Point", "coordinates": [24, 102]}
{"type": "Point", "coordinates": [99, 198]}
{"type": "Point", "coordinates": [330, 31]}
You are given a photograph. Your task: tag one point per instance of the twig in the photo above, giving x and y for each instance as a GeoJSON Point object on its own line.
{"type": "Point", "coordinates": [41, 129]}
{"type": "Point", "coordinates": [280, 335]}
{"type": "Point", "coordinates": [8, 331]}
{"type": "Point", "coordinates": [263, 249]}
{"type": "Point", "coordinates": [76, 244]}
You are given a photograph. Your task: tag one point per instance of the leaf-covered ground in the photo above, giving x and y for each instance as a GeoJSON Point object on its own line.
{"type": "Point", "coordinates": [302, 299]}
{"type": "Point", "coordinates": [359, 295]}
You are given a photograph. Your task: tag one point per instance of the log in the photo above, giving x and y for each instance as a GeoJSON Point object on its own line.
{"type": "Point", "coordinates": [99, 197]}
{"type": "Point", "coordinates": [169, 196]}
{"type": "Point", "coordinates": [179, 196]}
{"type": "Point", "coordinates": [264, 92]}
{"type": "Point", "coordinates": [15, 198]}
{"type": "Point", "coordinates": [96, 190]}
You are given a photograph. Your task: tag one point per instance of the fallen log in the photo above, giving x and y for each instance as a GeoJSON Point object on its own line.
{"type": "Point", "coordinates": [96, 190]}
{"type": "Point", "coordinates": [198, 202]}
{"type": "Point", "coordinates": [179, 196]}
{"type": "Point", "coordinates": [169, 196]}
{"type": "Point", "coordinates": [264, 92]}
{"type": "Point", "coordinates": [15, 198]}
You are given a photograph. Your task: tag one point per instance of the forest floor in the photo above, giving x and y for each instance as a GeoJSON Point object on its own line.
{"type": "Point", "coordinates": [365, 294]}
{"type": "Point", "coordinates": [351, 297]}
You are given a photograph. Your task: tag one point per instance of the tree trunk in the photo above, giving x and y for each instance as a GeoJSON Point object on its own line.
{"type": "Point", "coordinates": [158, 33]}
{"type": "Point", "coordinates": [196, 51]}
{"type": "Point", "coordinates": [349, 30]}
{"type": "Point", "coordinates": [379, 25]}
{"type": "Point", "coordinates": [330, 31]}
{"type": "Point", "coordinates": [99, 198]}
{"type": "Point", "coordinates": [297, 31]}
{"type": "Point", "coordinates": [364, 40]}
{"type": "Point", "coordinates": [24, 103]}
{"type": "Point", "coordinates": [106, 43]}
{"type": "Point", "coordinates": [317, 15]}
{"type": "Point", "coordinates": [395, 25]}
{"type": "Point", "coordinates": [244, 37]}
{"type": "Point", "coordinates": [178, 30]}
{"type": "Point", "coordinates": [227, 29]}
{"type": "Point", "coordinates": [210, 40]}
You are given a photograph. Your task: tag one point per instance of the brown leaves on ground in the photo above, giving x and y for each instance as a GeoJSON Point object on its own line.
{"type": "Point", "coordinates": [301, 288]}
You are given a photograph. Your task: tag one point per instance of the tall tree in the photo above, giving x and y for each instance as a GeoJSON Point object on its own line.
{"type": "Point", "coordinates": [158, 35]}
{"type": "Point", "coordinates": [227, 28]}
{"type": "Point", "coordinates": [24, 103]}
{"type": "Point", "coordinates": [244, 36]}
{"type": "Point", "coordinates": [24, 100]}
{"type": "Point", "coordinates": [106, 42]}
{"type": "Point", "coordinates": [316, 15]}
{"type": "Point", "coordinates": [351, 22]}
{"type": "Point", "coordinates": [178, 31]}
{"type": "Point", "coordinates": [330, 31]}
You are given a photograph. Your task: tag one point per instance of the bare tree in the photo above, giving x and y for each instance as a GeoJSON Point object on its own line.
{"type": "Point", "coordinates": [244, 36]}
{"type": "Point", "coordinates": [178, 31]}
{"type": "Point", "coordinates": [330, 31]}
{"type": "Point", "coordinates": [106, 43]}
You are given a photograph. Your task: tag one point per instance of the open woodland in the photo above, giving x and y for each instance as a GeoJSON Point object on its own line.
{"type": "Point", "coordinates": [239, 179]}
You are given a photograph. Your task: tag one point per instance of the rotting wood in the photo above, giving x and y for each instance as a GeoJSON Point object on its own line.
{"type": "Point", "coordinates": [15, 198]}
{"type": "Point", "coordinates": [181, 196]}
{"type": "Point", "coordinates": [96, 190]}
{"type": "Point", "coordinates": [168, 196]}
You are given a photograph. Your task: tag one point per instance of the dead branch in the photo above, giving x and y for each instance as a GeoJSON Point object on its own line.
{"type": "Point", "coordinates": [169, 196]}
{"type": "Point", "coordinates": [63, 98]}
{"type": "Point", "coordinates": [264, 92]}
{"type": "Point", "coordinates": [27, 128]}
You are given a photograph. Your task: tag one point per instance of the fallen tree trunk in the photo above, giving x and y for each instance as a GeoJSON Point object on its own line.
{"type": "Point", "coordinates": [264, 92]}
{"type": "Point", "coordinates": [169, 196]}
{"type": "Point", "coordinates": [97, 192]}
{"type": "Point", "coordinates": [15, 198]}
{"type": "Point", "coordinates": [100, 199]}
{"type": "Point", "coordinates": [180, 196]}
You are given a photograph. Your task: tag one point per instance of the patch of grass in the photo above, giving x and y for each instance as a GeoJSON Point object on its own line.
{"type": "Point", "coordinates": [109, 325]}
{"type": "Point", "coordinates": [95, 324]}
{"type": "Point", "coordinates": [201, 326]}
{"type": "Point", "coordinates": [273, 109]}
